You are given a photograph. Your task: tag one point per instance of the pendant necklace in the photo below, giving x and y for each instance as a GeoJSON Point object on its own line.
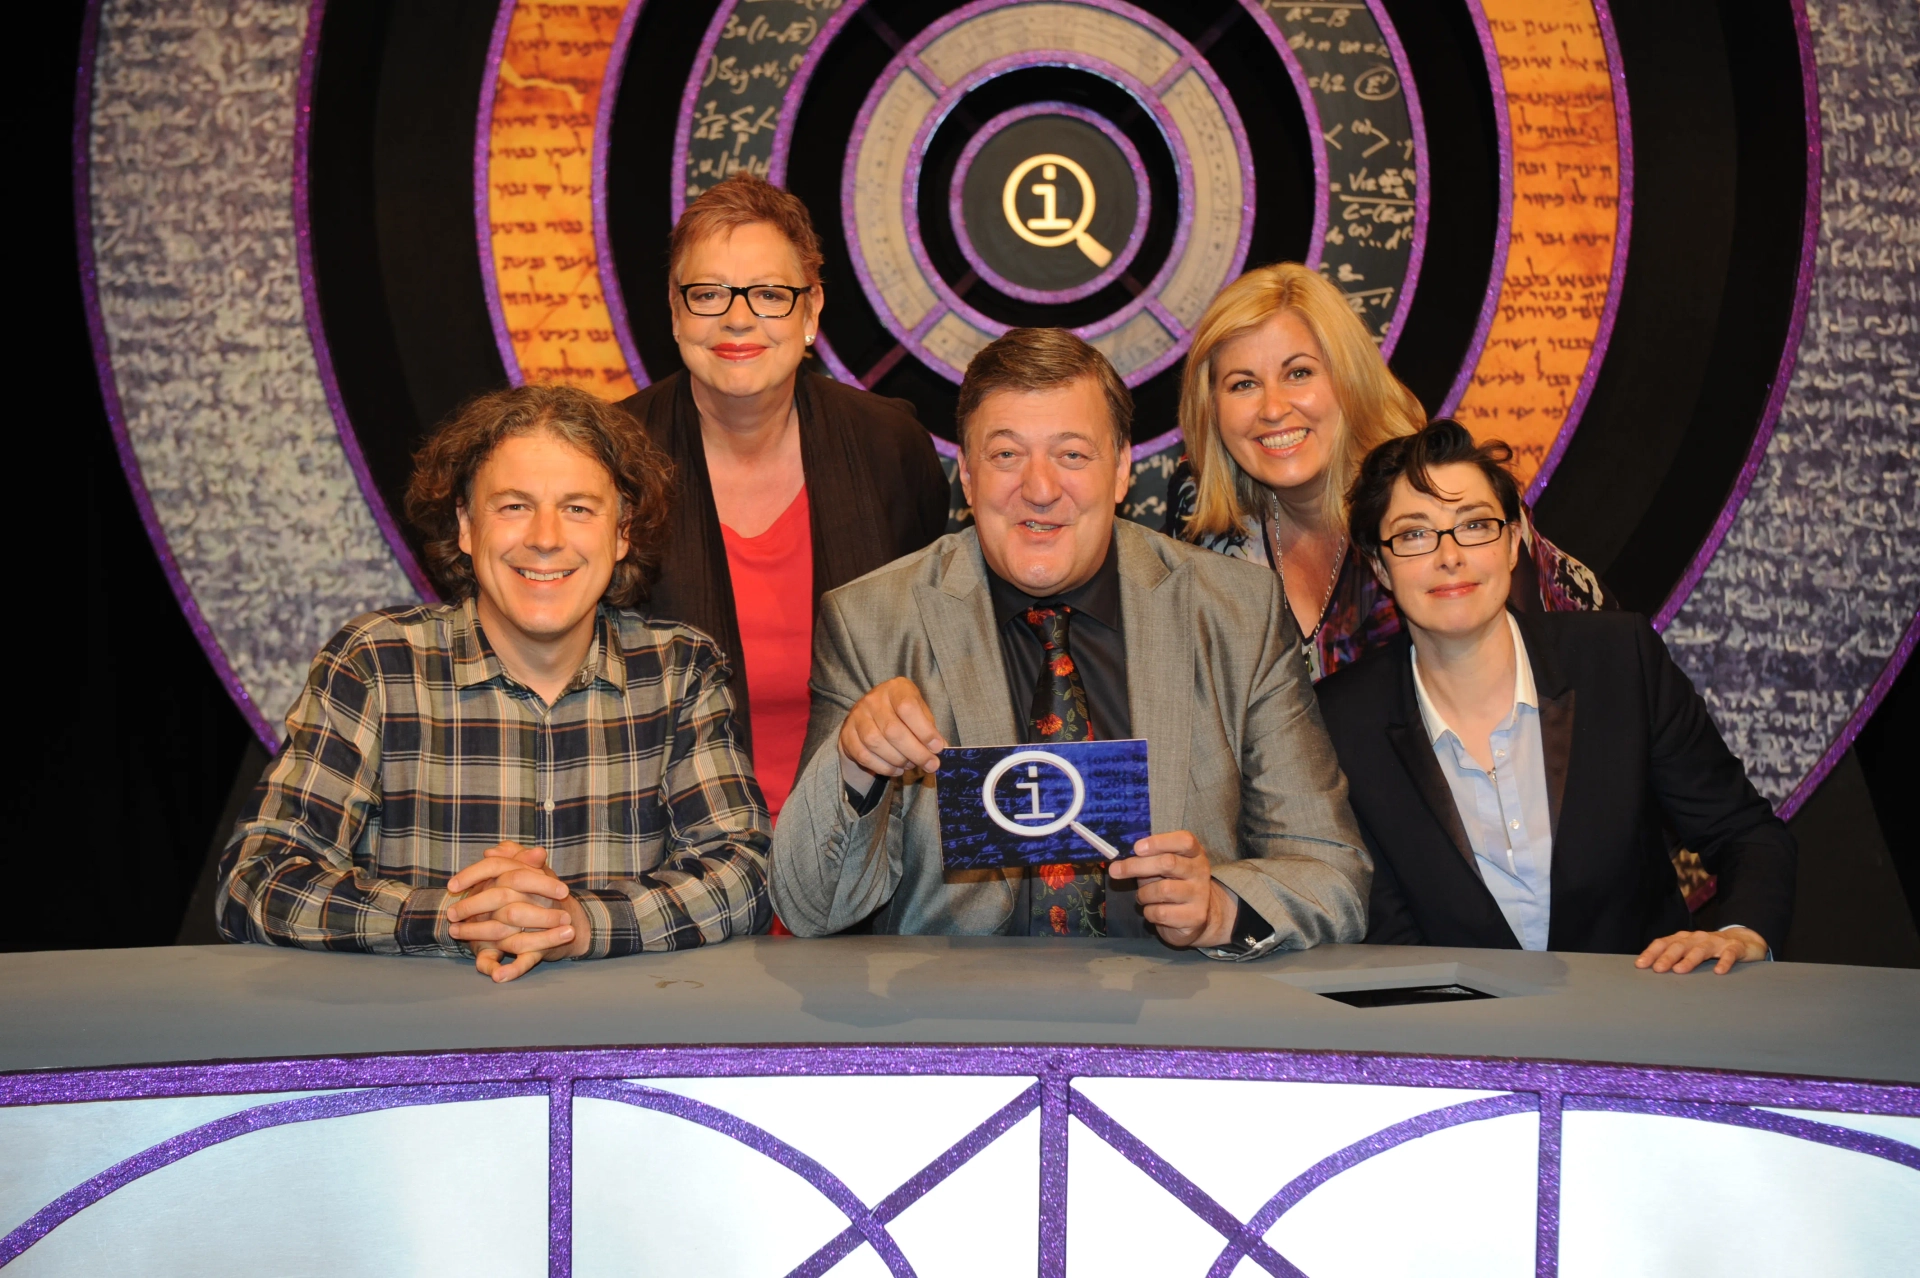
{"type": "Point", "coordinates": [1273, 550]}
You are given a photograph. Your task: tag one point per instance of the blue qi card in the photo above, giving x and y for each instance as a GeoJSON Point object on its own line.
{"type": "Point", "coordinates": [1083, 801]}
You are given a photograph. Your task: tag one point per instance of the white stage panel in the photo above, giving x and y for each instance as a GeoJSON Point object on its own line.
{"type": "Point", "coordinates": [657, 1195]}
{"type": "Point", "coordinates": [873, 1131]}
{"type": "Point", "coordinates": [1120, 1222]}
{"type": "Point", "coordinates": [1646, 1194]}
{"type": "Point", "coordinates": [416, 1190]}
{"type": "Point", "coordinates": [1243, 1140]}
{"type": "Point", "coordinates": [983, 1219]}
{"type": "Point", "coordinates": [1456, 1203]}
{"type": "Point", "coordinates": [51, 1149]}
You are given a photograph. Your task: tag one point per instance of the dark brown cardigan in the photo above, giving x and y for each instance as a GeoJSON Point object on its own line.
{"type": "Point", "coordinates": [875, 490]}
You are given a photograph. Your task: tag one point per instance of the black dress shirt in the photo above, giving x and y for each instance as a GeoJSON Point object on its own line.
{"type": "Point", "coordinates": [1095, 638]}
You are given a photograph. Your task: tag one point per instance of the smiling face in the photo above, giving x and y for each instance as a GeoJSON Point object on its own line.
{"type": "Point", "coordinates": [1043, 474]}
{"type": "Point", "coordinates": [1453, 592]}
{"type": "Point", "coordinates": [739, 354]}
{"type": "Point", "coordinates": [1275, 402]}
{"type": "Point", "coordinates": [542, 526]}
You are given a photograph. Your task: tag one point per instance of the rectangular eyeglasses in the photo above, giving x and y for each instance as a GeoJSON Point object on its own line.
{"type": "Point", "coordinates": [768, 301]}
{"type": "Point", "coordinates": [1424, 541]}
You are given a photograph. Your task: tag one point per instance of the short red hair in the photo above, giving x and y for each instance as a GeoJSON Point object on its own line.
{"type": "Point", "coordinates": [743, 200]}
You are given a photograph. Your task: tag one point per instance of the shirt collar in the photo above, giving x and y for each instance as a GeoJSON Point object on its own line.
{"type": "Point", "coordinates": [475, 662]}
{"type": "Point", "coordinates": [1524, 693]}
{"type": "Point", "coordinates": [1097, 598]}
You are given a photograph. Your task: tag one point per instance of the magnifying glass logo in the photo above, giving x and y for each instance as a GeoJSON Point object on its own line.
{"type": "Point", "coordinates": [1038, 824]}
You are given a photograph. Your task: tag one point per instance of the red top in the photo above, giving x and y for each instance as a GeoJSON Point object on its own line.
{"type": "Point", "coordinates": [773, 596]}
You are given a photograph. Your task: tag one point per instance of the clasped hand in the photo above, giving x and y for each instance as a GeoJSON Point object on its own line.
{"type": "Point", "coordinates": [891, 731]}
{"type": "Point", "coordinates": [514, 906]}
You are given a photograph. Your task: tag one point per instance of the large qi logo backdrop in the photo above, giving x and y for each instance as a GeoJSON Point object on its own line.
{"type": "Point", "coordinates": [1670, 260]}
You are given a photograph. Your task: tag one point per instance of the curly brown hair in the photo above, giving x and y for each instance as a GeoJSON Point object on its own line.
{"type": "Point", "coordinates": [444, 468]}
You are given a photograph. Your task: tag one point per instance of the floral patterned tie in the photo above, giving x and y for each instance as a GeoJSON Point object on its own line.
{"type": "Point", "coordinates": [1067, 901]}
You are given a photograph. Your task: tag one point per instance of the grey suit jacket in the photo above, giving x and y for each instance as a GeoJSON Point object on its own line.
{"type": "Point", "coordinates": [1217, 684]}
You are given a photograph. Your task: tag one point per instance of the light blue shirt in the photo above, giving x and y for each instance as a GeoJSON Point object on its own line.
{"type": "Point", "coordinates": [1505, 811]}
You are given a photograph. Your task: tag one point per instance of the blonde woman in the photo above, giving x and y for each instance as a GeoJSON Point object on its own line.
{"type": "Point", "coordinates": [1284, 394]}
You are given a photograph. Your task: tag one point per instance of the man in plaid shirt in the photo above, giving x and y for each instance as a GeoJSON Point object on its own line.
{"type": "Point", "coordinates": [532, 770]}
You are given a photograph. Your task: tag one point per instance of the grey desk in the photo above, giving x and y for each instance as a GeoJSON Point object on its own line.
{"type": "Point", "coordinates": [68, 1010]}
{"type": "Point", "coordinates": [924, 1105]}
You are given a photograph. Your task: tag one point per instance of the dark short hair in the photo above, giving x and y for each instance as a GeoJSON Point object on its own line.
{"type": "Point", "coordinates": [444, 468]}
{"type": "Point", "coordinates": [1041, 359]}
{"type": "Point", "coordinates": [743, 200]}
{"type": "Point", "coordinates": [1442, 442]}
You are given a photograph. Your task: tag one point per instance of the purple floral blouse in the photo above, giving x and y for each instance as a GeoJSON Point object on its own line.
{"type": "Point", "coordinates": [1360, 616]}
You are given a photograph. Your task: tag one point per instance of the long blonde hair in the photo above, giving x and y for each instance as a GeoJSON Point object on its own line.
{"type": "Point", "coordinates": [1374, 406]}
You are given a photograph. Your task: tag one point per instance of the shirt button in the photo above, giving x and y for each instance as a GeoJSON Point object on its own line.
{"type": "Point", "coordinates": [549, 806]}
{"type": "Point", "coordinates": [1511, 825]}
{"type": "Point", "coordinates": [1499, 754]}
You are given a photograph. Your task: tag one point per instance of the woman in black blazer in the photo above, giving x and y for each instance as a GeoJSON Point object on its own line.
{"type": "Point", "coordinates": [1624, 745]}
{"type": "Point", "coordinates": [788, 483]}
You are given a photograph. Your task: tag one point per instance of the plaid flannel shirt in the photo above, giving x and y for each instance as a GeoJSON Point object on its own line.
{"type": "Point", "coordinates": [411, 752]}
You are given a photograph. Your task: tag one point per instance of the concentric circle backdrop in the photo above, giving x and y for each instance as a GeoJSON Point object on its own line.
{"type": "Point", "coordinates": [1670, 260]}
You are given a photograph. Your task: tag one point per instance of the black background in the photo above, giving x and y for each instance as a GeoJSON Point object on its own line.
{"type": "Point", "coordinates": [138, 755]}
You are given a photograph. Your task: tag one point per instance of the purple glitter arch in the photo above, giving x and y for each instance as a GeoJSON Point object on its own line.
{"type": "Point", "coordinates": [1503, 236]}
{"type": "Point", "coordinates": [950, 96]}
{"type": "Point", "coordinates": [1617, 273]}
{"type": "Point", "coordinates": [602, 244]}
{"type": "Point", "coordinates": [110, 390]}
{"type": "Point", "coordinates": [957, 213]}
{"type": "Point", "coordinates": [1422, 201]}
{"type": "Point", "coordinates": [1790, 349]}
{"type": "Point", "coordinates": [1503, 225]}
{"type": "Point", "coordinates": [802, 77]}
{"type": "Point", "coordinates": [482, 216]}
{"type": "Point", "coordinates": [1770, 419]}
{"type": "Point", "coordinates": [1316, 138]}
{"type": "Point", "coordinates": [316, 326]}
{"type": "Point", "coordinates": [683, 127]}
{"type": "Point", "coordinates": [259, 1118]}
{"type": "Point", "coordinates": [1546, 1087]}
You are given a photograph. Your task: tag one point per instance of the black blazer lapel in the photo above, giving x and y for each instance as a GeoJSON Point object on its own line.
{"type": "Point", "coordinates": [1416, 755]}
{"type": "Point", "coordinates": [1556, 717]}
{"type": "Point", "coordinates": [1407, 731]}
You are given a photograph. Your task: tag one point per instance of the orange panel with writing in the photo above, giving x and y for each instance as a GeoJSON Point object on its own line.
{"type": "Point", "coordinates": [540, 195]}
{"type": "Point", "coordinates": [1566, 204]}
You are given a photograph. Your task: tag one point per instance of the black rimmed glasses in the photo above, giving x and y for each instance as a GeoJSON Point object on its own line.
{"type": "Point", "coordinates": [768, 301]}
{"type": "Point", "coordinates": [1424, 541]}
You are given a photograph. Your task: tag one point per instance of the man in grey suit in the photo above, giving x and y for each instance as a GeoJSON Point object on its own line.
{"type": "Point", "coordinates": [1049, 620]}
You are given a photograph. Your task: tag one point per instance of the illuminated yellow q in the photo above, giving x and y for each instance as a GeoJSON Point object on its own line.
{"type": "Point", "coordinates": [1065, 232]}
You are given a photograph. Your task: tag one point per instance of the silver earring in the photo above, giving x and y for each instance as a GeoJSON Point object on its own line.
{"type": "Point", "coordinates": [809, 339]}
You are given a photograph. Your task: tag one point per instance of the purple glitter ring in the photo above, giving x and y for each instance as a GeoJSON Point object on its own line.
{"type": "Point", "coordinates": [263, 727]}
{"type": "Point", "coordinates": [604, 268]}
{"type": "Point", "coordinates": [1143, 197]}
{"type": "Point", "coordinates": [1422, 198]}
{"type": "Point", "coordinates": [316, 326]}
{"type": "Point", "coordinates": [683, 127]}
{"type": "Point", "coordinates": [1503, 227]}
{"type": "Point", "coordinates": [1617, 270]}
{"type": "Point", "coordinates": [482, 195]}
{"type": "Point", "coordinates": [948, 95]}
